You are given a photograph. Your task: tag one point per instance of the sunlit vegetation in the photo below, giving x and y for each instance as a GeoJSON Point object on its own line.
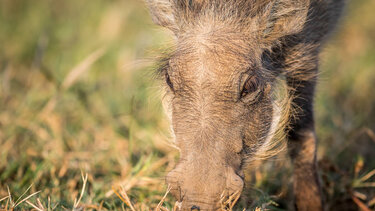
{"type": "Point", "coordinates": [82, 127]}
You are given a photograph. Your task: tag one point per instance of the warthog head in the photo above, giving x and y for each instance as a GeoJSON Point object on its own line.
{"type": "Point", "coordinates": [219, 84]}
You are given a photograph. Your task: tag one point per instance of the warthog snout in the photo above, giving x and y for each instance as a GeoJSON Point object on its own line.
{"type": "Point", "coordinates": [203, 186]}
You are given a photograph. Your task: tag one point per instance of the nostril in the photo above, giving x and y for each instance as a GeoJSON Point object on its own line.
{"type": "Point", "coordinates": [195, 208]}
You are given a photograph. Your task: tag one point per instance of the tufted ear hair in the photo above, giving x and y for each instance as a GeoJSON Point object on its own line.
{"type": "Point", "coordinates": [281, 18]}
{"type": "Point", "coordinates": [162, 13]}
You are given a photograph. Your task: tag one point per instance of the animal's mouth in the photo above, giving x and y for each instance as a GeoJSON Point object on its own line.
{"type": "Point", "coordinates": [226, 202]}
{"type": "Point", "coordinates": [180, 207]}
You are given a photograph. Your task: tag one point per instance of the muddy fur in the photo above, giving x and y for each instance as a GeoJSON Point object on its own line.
{"type": "Point", "coordinates": [225, 96]}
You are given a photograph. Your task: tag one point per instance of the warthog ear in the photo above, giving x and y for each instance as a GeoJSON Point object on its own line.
{"type": "Point", "coordinates": [162, 13]}
{"type": "Point", "coordinates": [282, 18]}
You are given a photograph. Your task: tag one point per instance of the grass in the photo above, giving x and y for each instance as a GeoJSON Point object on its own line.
{"type": "Point", "coordinates": [81, 125]}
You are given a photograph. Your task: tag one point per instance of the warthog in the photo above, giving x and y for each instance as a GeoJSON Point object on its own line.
{"type": "Point", "coordinates": [221, 80]}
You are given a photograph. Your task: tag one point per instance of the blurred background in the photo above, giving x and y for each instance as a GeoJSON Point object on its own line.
{"type": "Point", "coordinates": [81, 124]}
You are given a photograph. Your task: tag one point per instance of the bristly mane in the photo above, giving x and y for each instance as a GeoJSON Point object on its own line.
{"type": "Point", "coordinates": [264, 19]}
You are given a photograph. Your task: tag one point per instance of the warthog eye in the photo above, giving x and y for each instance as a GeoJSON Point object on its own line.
{"type": "Point", "coordinates": [251, 88]}
{"type": "Point", "coordinates": [168, 80]}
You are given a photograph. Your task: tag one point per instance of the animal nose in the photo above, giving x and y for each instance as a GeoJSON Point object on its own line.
{"type": "Point", "coordinates": [195, 208]}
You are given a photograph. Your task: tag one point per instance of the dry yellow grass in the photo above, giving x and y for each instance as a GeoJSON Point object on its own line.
{"type": "Point", "coordinates": [81, 125]}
